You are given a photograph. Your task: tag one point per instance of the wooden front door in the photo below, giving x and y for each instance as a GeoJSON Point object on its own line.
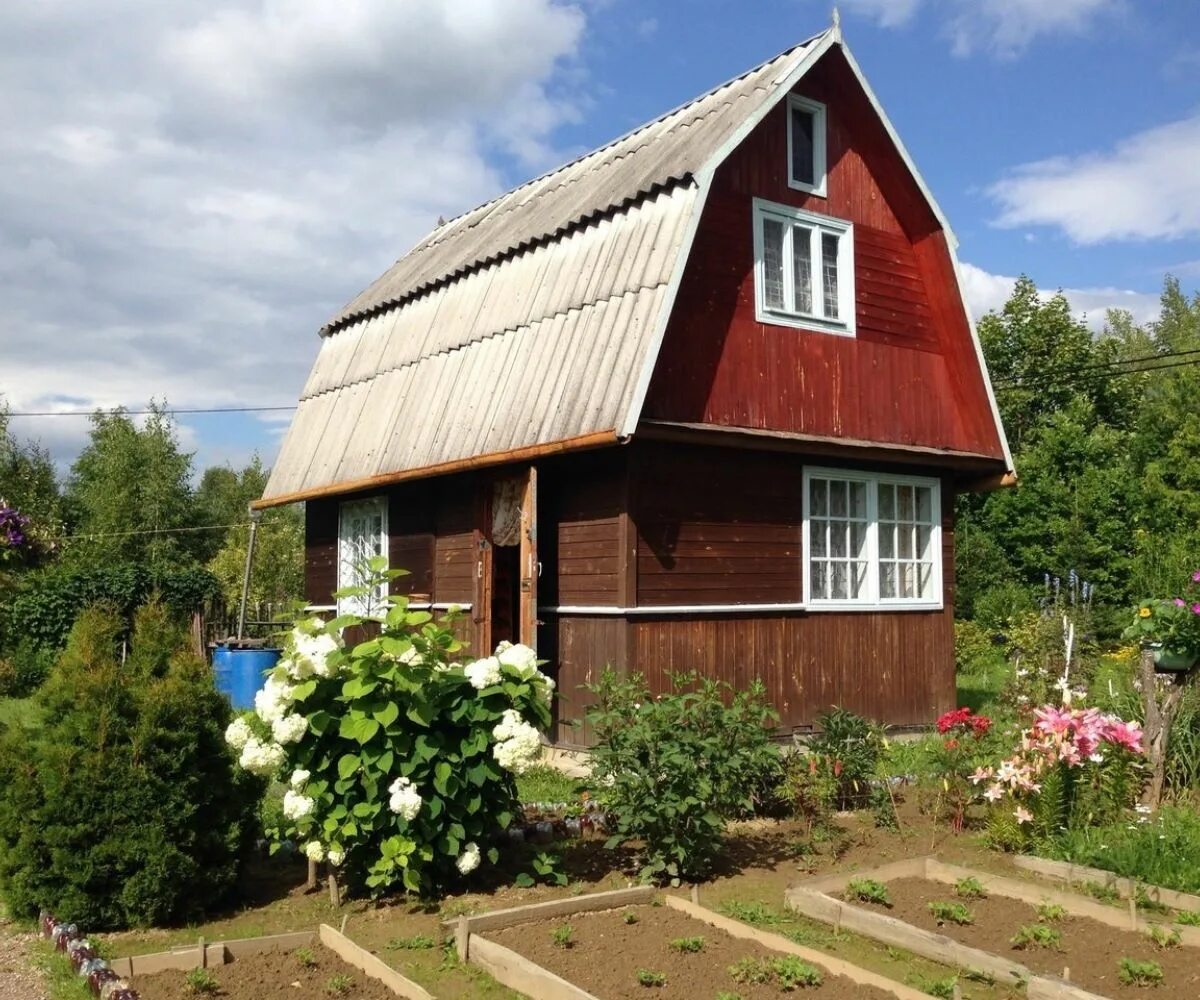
{"type": "Point", "coordinates": [508, 562]}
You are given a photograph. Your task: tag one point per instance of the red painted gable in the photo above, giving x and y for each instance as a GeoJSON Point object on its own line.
{"type": "Point", "coordinates": [909, 376]}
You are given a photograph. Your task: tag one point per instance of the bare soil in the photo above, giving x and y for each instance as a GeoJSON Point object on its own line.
{"type": "Point", "coordinates": [19, 979]}
{"type": "Point", "coordinates": [273, 975]}
{"type": "Point", "coordinates": [606, 954]}
{"type": "Point", "coordinates": [1091, 950]}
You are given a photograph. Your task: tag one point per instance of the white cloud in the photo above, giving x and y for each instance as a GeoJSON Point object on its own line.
{"type": "Point", "coordinates": [986, 292]}
{"type": "Point", "coordinates": [188, 190]}
{"type": "Point", "coordinates": [1003, 27]}
{"type": "Point", "coordinates": [1146, 187]}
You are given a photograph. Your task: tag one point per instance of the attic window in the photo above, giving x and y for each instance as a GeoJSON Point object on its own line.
{"type": "Point", "coordinates": [806, 145]}
{"type": "Point", "coordinates": [804, 269]}
{"type": "Point", "coordinates": [362, 535]}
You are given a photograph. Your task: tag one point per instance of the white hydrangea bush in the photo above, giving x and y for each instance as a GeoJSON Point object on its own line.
{"type": "Point", "coordinates": [398, 757]}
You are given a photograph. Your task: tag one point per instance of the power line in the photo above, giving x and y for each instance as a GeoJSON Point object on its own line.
{"type": "Point", "coordinates": [143, 413]}
{"type": "Point", "coordinates": [148, 531]}
{"type": "Point", "coordinates": [1093, 378]}
{"type": "Point", "coordinates": [1114, 364]}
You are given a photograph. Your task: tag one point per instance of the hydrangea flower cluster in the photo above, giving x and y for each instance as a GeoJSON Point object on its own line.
{"type": "Point", "coordinates": [468, 861]}
{"type": "Point", "coordinates": [405, 800]}
{"type": "Point", "coordinates": [518, 744]}
{"type": "Point", "coordinates": [483, 673]}
{"type": "Point", "coordinates": [296, 806]}
{"type": "Point", "coordinates": [260, 758]}
{"type": "Point", "coordinates": [310, 650]}
{"type": "Point", "coordinates": [1068, 737]}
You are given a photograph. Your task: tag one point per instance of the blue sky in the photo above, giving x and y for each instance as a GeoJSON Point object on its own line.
{"type": "Point", "coordinates": [182, 206]}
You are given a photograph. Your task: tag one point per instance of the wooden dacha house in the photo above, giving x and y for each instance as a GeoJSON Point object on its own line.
{"type": "Point", "coordinates": [700, 400]}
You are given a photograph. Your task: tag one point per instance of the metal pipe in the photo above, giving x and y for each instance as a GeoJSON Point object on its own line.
{"type": "Point", "coordinates": [255, 517]}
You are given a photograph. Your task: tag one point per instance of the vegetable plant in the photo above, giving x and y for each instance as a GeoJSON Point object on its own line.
{"type": "Point", "coordinates": [1051, 912]}
{"type": "Point", "coordinates": [951, 913]}
{"type": "Point", "coordinates": [674, 767]}
{"type": "Point", "coordinates": [688, 944]}
{"type": "Point", "coordinates": [400, 760]}
{"type": "Point", "coordinates": [1037, 936]}
{"type": "Point", "coordinates": [1189, 918]}
{"type": "Point", "coordinates": [418, 942]}
{"type": "Point", "coordinates": [791, 971]}
{"type": "Point", "coordinates": [647, 977]}
{"type": "Point", "coordinates": [1163, 937]}
{"type": "Point", "coordinates": [850, 746]}
{"type": "Point", "coordinates": [547, 868]}
{"type": "Point", "coordinates": [201, 981]}
{"type": "Point", "coordinates": [629, 917]}
{"type": "Point", "coordinates": [756, 913]}
{"type": "Point", "coordinates": [306, 958]}
{"type": "Point", "coordinates": [563, 936]}
{"type": "Point", "coordinates": [339, 985]}
{"type": "Point", "coordinates": [748, 971]}
{"type": "Point", "coordinates": [970, 888]}
{"type": "Point", "coordinates": [1135, 973]}
{"type": "Point", "coordinates": [868, 890]}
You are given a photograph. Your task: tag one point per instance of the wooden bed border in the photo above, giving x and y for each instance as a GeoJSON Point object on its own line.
{"type": "Point", "coordinates": [1071, 874]}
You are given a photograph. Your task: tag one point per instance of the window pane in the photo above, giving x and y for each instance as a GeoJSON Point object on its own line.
{"type": "Point", "coordinates": [803, 125]}
{"type": "Point", "coordinates": [773, 263]}
{"type": "Point", "coordinates": [887, 579]}
{"type": "Point", "coordinates": [858, 540]}
{"type": "Point", "coordinates": [819, 582]}
{"type": "Point", "coordinates": [837, 498]}
{"type": "Point", "coordinates": [818, 495]}
{"type": "Point", "coordinates": [907, 583]}
{"type": "Point", "coordinates": [858, 500]}
{"type": "Point", "coordinates": [837, 539]}
{"type": "Point", "coordinates": [819, 541]}
{"type": "Point", "coordinates": [924, 504]}
{"type": "Point", "coordinates": [839, 584]}
{"type": "Point", "coordinates": [829, 272]}
{"type": "Point", "coordinates": [926, 580]}
{"type": "Point", "coordinates": [887, 540]}
{"type": "Point", "coordinates": [905, 541]}
{"type": "Point", "coordinates": [887, 501]}
{"type": "Point", "coordinates": [924, 537]}
{"type": "Point", "coordinates": [802, 268]}
{"type": "Point", "coordinates": [858, 579]}
{"type": "Point", "coordinates": [904, 503]}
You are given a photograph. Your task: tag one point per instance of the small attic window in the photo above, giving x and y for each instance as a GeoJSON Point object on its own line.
{"type": "Point", "coordinates": [806, 145]}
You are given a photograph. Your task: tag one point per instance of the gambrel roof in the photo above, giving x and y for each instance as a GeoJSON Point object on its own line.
{"type": "Point", "coordinates": [530, 324]}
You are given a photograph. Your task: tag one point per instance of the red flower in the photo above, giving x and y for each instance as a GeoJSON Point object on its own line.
{"type": "Point", "coordinates": [952, 719]}
{"type": "Point", "coordinates": [980, 724]}
{"type": "Point", "coordinates": [951, 744]}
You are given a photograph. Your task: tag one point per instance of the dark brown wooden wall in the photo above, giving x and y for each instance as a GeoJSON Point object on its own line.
{"type": "Point", "coordinates": [909, 375]}
{"type": "Point", "coordinates": [320, 550]}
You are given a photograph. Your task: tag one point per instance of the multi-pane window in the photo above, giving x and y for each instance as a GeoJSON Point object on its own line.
{"type": "Point", "coordinates": [806, 145]}
{"type": "Point", "coordinates": [805, 268]}
{"type": "Point", "coordinates": [871, 540]}
{"type": "Point", "coordinates": [362, 534]}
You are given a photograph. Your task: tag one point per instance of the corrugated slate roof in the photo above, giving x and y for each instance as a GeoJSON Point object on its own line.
{"type": "Point", "coordinates": [531, 320]}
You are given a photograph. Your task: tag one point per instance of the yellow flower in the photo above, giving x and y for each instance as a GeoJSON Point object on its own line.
{"type": "Point", "coordinates": [1143, 612]}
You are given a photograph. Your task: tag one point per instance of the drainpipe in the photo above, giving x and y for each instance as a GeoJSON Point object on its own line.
{"type": "Point", "coordinates": [255, 517]}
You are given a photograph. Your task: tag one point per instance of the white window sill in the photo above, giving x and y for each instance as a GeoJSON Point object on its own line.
{"type": "Point", "coordinates": [771, 317]}
{"type": "Point", "coordinates": [879, 607]}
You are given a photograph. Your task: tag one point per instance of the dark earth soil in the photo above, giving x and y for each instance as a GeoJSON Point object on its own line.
{"type": "Point", "coordinates": [607, 953]}
{"type": "Point", "coordinates": [1091, 950]}
{"type": "Point", "coordinates": [273, 975]}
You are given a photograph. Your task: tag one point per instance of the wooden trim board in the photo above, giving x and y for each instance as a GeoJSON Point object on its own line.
{"type": "Point", "coordinates": [498, 919]}
{"type": "Point", "coordinates": [518, 973]}
{"type": "Point", "coordinates": [217, 953]}
{"type": "Point", "coordinates": [358, 956]}
{"type": "Point", "coordinates": [1065, 871]}
{"type": "Point", "coordinates": [776, 942]}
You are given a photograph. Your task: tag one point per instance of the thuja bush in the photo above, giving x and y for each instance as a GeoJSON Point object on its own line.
{"type": "Point", "coordinates": [675, 767]}
{"type": "Point", "coordinates": [124, 809]}
{"type": "Point", "coordinates": [400, 760]}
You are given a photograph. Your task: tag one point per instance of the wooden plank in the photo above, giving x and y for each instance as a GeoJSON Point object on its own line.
{"type": "Point", "coordinates": [518, 973]}
{"type": "Point", "coordinates": [217, 953]}
{"type": "Point", "coordinates": [1065, 871]}
{"type": "Point", "coordinates": [776, 942]}
{"type": "Point", "coordinates": [906, 868]}
{"type": "Point", "coordinates": [611, 900]}
{"type": "Point", "coordinates": [529, 560]}
{"type": "Point", "coordinates": [1048, 988]}
{"type": "Point", "coordinates": [895, 932]}
{"type": "Point", "coordinates": [372, 965]}
{"type": "Point", "coordinates": [273, 942]}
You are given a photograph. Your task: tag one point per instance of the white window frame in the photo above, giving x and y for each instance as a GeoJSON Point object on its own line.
{"type": "Point", "coordinates": [817, 110]}
{"type": "Point", "coordinates": [820, 224]}
{"type": "Point", "coordinates": [871, 601]}
{"type": "Point", "coordinates": [346, 559]}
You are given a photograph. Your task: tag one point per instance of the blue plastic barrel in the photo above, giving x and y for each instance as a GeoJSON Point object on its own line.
{"type": "Point", "coordinates": [240, 673]}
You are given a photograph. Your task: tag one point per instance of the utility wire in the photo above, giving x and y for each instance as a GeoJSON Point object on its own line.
{"type": "Point", "coordinates": [1048, 379]}
{"type": "Point", "coordinates": [143, 413]}
{"type": "Point", "coordinates": [1114, 364]}
{"type": "Point", "coordinates": [148, 531]}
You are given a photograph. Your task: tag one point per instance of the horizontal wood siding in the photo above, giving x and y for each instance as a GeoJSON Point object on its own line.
{"type": "Point", "coordinates": [454, 550]}
{"type": "Point", "coordinates": [717, 526]}
{"type": "Point", "coordinates": [320, 550]}
{"type": "Point", "coordinates": [584, 499]}
{"type": "Point", "coordinates": [909, 375]}
{"type": "Point", "coordinates": [411, 538]}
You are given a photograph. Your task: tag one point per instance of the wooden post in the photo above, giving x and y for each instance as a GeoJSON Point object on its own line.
{"type": "Point", "coordinates": [1066, 973]}
{"type": "Point", "coordinates": [1133, 917]}
{"type": "Point", "coordinates": [312, 875]}
{"type": "Point", "coordinates": [1160, 715]}
{"type": "Point", "coordinates": [462, 937]}
{"type": "Point", "coordinates": [345, 920]}
{"type": "Point", "coordinates": [203, 953]}
{"type": "Point", "coordinates": [335, 894]}
{"type": "Point", "coordinates": [696, 894]}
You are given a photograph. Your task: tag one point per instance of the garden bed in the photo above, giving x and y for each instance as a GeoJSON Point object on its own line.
{"type": "Point", "coordinates": [269, 975]}
{"type": "Point", "coordinates": [1075, 938]}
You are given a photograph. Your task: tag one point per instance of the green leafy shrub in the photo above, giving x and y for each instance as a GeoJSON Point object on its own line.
{"type": "Point", "coordinates": [690, 945]}
{"type": "Point", "coordinates": [1164, 937]}
{"type": "Point", "coordinates": [23, 668]}
{"type": "Point", "coordinates": [951, 913]}
{"type": "Point", "coordinates": [547, 868]}
{"type": "Point", "coordinates": [1189, 918]}
{"type": "Point", "coordinates": [750, 971]}
{"type": "Point", "coordinates": [401, 762]}
{"type": "Point", "coordinates": [868, 890]}
{"type": "Point", "coordinates": [791, 971]}
{"type": "Point", "coordinates": [852, 747]}
{"type": "Point", "coordinates": [123, 808]}
{"type": "Point", "coordinates": [647, 977]}
{"type": "Point", "coordinates": [809, 789]}
{"type": "Point", "coordinates": [563, 936]}
{"type": "Point", "coordinates": [970, 888]}
{"type": "Point", "coordinates": [50, 601]}
{"type": "Point", "coordinates": [673, 768]}
{"type": "Point", "coordinates": [1135, 973]}
{"type": "Point", "coordinates": [1051, 912]}
{"type": "Point", "coordinates": [201, 982]}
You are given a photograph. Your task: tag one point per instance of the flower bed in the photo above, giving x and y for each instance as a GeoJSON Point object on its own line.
{"type": "Point", "coordinates": [658, 951]}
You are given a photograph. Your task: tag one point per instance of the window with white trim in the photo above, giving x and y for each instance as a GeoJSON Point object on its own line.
{"type": "Point", "coordinates": [362, 534]}
{"type": "Point", "coordinates": [871, 540]}
{"type": "Point", "coordinates": [803, 268]}
{"type": "Point", "coordinates": [806, 145]}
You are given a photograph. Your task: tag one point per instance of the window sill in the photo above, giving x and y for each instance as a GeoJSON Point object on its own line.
{"type": "Point", "coordinates": [875, 607]}
{"type": "Point", "coordinates": [801, 322]}
{"type": "Point", "coordinates": [817, 190]}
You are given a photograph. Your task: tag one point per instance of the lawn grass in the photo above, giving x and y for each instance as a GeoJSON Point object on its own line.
{"type": "Point", "coordinates": [543, 783]}
{"type": "Point", "coordinates": [979, 690]}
